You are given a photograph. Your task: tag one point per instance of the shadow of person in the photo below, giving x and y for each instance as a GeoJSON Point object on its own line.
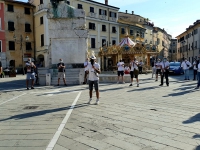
{"type": "Point", "coordinates": [192, 119]}
{"type": "Point", "coordinates": [197, 148]}
{"type": "Point", "coordinates": [196, 136]}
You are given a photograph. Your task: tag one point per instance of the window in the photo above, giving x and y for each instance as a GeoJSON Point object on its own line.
{"type": "Point", "coordinates": [41, 2]}
{"type": "Point", "coordinates": [11, 26]}
{"type": "Point", "coordinates": [131, 32]}
{"type": "Point", "coordinates": [174, 51]}
{"type": "Point", "coordinates": [113, 42]}
{"type": "Point", "coordinates": [92, 42]}
{"type": "Point", "coordinates": [122, 31]}
{"type": "Point", "coordinates": [102, 12]}
{"type": "Point", "coordinates": [28, 46]}
{"type": "Point", "coordinates": [0, 46]}
{"type": "Point", "coordinates": [113, 14]}
{"type": "Point", "coordinates": [27, 11]}
{"type": "Point", "coordinates": [150, 42]}
{"type": "Point", "coordinates": [27, 27]}
{"type": "Point", "coordinates": [11, 45]}
{"type": "Point", "coordinates": [10, 8]}
{"type": "Point", "coordinates": [103, 42]}
{"type": "Point", "coordinates": [138, 33]}
{"type": "Point", "coordinates": [80, 6]}
{"type": "Point", "coordinates": [42, 40]}
{"type": "Point", "coordinates": [195, 31]}
{"type": "Point", "coordinates": [41, 20]}
{"type": "Point", "coordinates": [158, 41]}
{"type": "Point", "coordinates": [114, 30]}
{"type": "Point", "coordinates": [189, 47]}
{"type": "Point", "coordinates": [68, 2]}
{"type": "Point", "coordinates": [103, 27]}
{"type": "Point", "coordinates": [92, 9]}
{"type": "Point", "coordinates": [92, 26]}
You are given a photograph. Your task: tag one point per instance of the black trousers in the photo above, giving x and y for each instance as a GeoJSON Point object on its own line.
{"type": "Point", "coordinates": [166, 75]}
{"type": "Point", "coordinates": [195, 74]}
{"type": "Point", "coordinates": [140, 70]}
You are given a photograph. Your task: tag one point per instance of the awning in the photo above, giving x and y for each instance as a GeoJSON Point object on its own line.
{"type": "Point", "coordinates": [26, 59]}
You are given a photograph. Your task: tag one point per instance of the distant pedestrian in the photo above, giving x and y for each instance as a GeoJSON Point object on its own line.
{"type": "Point", "coordinates": [164, 71]}
{"type": "Point", "coordinates": [86, 72]}
{"type": "Point", "coordinates": [30, 73]}
{"type": "Point", "coordinates": [61, 72]}
{"type": "Point", "coordinates": [36, 75]}
{"type": "Point", "coordinates": [158, 69]}
{"type": "Point", "coordinates": [153, 65]}
{"type": "Point", "coordinates": [140, 66]}
{"type": "Point", "coordinates": [198, 73]}
{"type": "Point", "coordinates": [195, 66]}
{"type": "Point", "coordinates": [134, 71]}
{"type": "Point", "coordinates": [93, 69]}
{"type": "Point", "coordinates": [186, 66]}
{"type": "Point", "coordinates": [120, 66]}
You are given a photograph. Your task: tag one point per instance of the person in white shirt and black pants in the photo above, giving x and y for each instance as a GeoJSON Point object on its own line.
{"type": "Point", "coordinates": [186, 66]}
{"type": "Point", "coordinates": [164, 71]}
{"type": "Point", "coordinates": [134, 72]}
{"type": "Point", "coordinates": [195, 65]}
{"type": "Point", "coordinates": [198, 73]}
{"type": "Point", "coordinates": [120, 72]}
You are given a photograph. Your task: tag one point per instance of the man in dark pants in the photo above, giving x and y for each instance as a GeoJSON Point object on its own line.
{"type": "Point", "coordinates": [165, 71]}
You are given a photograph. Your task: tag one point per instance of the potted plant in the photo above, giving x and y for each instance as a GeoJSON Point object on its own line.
{"type": "Point", "coordinates": [12, 73]}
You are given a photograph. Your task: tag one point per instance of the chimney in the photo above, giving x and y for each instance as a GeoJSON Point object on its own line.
{"type": "Point", "coordinates": [126, 11]}
{"type": "Point", "coordinates": [132, 12]}
{"type": "Point", "coordinates": [106, 2]}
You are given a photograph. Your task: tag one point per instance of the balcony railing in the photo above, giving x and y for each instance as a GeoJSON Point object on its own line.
{"type": "Point", "coordinates": [42, 6]}
{"type": "Point", "coordinates": [92, 15]}
{"type": "Point", "coordinates": [113, 19]}
{"type": "Point", "coordinates": [102, 17]}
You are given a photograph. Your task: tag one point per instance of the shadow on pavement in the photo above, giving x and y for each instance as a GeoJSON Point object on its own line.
{"type": "Point", "coordinates": [179, 93]}
{"type": "Point", "coordinates": [192, 119]}
{"type": "Point", "coordinates": [43, 112]}
{"type": "Point", "coordinates": [197, 148]}
{"type": "Point", "coordinates": [196, 136]}
{"type": "Point", "coordinates": [143, 89]}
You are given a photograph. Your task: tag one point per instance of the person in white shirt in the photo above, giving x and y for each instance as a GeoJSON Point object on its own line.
{"type": "Point", "coordinates": [134, 71]}
{"type": "Point", "coordinates": [120, 72]}
{"type": "Point", "coordinates": [164, 71]}
{"type": "Point", "coordinates": [140, 66]}
{"type": "Point", "coordinates": [93, 69]}
{"type": "Point", "coordinates": [158, 69]}
{"type": "Point", "coordinates": [86, 72]}
{"type": "Point", "coordinates": [198, 73]}
{"type": "Point", "coordinates": [195, 69]}
{"type": "Point", "coordinates": [186, 66]}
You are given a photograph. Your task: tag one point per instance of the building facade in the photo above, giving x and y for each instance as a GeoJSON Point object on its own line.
{"type": "Point", "coordinates": [19, 33]}
{"type": "Point", "coordinates": [189, 42]}
{"type": "Point", "coordinates": [173, 50]}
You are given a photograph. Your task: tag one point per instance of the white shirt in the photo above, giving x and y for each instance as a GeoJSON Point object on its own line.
{"type": "Point", "coordinates": [198, 67]}
{"type": "Point", "coordinates": [164, 64]}
{"type": "Point", "coordinates": [141, 64]}
{"type": "Point", "coordinates": [158, 65]}
{"type": "Point", "coordinates": [120, 66]}
{"type": "Point", "coordinates": [134, 66]}
{"type": "Point", "coordinates": [93, 75]}
{"type": "Point", "coordinates": [85, 64]}
{"type": "Point", "coordinates": [184, 65]}
{"type": "Point", "coordinates": [194, 67]}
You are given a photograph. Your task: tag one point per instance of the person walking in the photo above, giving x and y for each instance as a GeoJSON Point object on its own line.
{"type": "Point", "coordinates": [186, 66]}
{"type": "Point", "coordinates": [140, 66]}
{"type": "Point", "coordinates": [153, 65]}
{"type": "Point", "coordinates": [93, 69]}
{"type": "Point", "coordinates": [61, 72]}
{"type": "Point", "coordinates": [164, 71]}
{"type": "Point", "coordinates": [30, 73]}
{"type": "Point", "coordinates": [120, 66]}
{"type": "Point", "coordinates": [198, 73]}
{"type": "Point", "coordinates": [134, 71]}
{"type": "Point", "coordinates": [195, 65]}
{"type": "Point", "coordinates": [86, 72]}
{"type": "Point", "coordinates": [158, 69]}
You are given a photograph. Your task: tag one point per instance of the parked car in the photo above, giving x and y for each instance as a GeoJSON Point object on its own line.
{"type": "Point", "coordinates": [175, 68]}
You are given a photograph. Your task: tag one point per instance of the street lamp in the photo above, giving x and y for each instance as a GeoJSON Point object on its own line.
{"type": "Point", "coordinates": [21, 48]}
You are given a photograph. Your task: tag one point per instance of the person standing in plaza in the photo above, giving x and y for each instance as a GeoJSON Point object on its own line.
{"type": "Point", "coordinates": [195, 65]}
{"type": "Point", "coordinates": [198, 73]}
{"type": "Point", "coordinates": [120, 66]}
{"type": "Point", "coordinates": [30, 73]}
{"type": "Point", "coordinates": [61, 72]}
{"type": "Point", "coordinates": [153, 65]}
{"type": "Point", "coordinates": [140, 66]}
{"type": "Point", "coordinates": [134, 71]}
{"type": "Point", "coordinates": [158, 69]}
{"type": "Point", "coordinates": [93, 69]}
{"type": "Point", "coordinates": [186, 66]}
{"type": "Point", "coordinates": [86, 72]}
{"type": "Point", "coordinates": [164, 71]}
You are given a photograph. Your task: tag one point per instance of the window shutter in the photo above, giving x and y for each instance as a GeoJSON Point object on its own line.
{"type": "Point", "coordinates": [90, 25]}
{"type": "Point", "coordinates": [105, 12]}
{"type": "Point", "coordinates": [92, 42]}
{"type": "Point", "coordinates": [115, 15]}
{"type": "Point", "coordinates": [42, 40]}
{"type": "Point", "coordinates": [110, 14]}
{"type": "Point", "coordinates": [99, 11]}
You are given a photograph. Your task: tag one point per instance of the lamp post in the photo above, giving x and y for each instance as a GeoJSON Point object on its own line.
{"type": "Point", "coordinates": [21, 48]}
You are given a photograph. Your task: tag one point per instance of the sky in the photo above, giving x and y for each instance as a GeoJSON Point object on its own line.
{"type": "Point", "coordinates": [172, 15]}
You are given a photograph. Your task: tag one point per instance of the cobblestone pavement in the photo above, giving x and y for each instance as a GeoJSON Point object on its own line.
{"type": "Point", "coordinates": [148, 117]}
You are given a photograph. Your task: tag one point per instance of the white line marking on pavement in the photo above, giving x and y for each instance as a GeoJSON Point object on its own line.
{"type": "Point", "coordinates": [12, 99]}
{"type": "Point", "coordinates": [62, 125]}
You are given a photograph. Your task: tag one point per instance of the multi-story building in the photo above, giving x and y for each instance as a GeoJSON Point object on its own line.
{"type": "Point", "coordinates": [19, 32]}
{"type": "Point", "coordinates": [189, 42]}
{"type": "Point", "coordinates": [173, 50]}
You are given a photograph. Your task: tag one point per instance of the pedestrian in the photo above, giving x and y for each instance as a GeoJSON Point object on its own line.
{"type": "Point", "coordinates": [1, 70]}
{"type": "Point", "coordinates": [140, 66]}
{"type": "Point", "coordinates": [198, 73]}
{"type": "Point", "coordinates": [164, 71]}
{"type": "Point", "coordinates": [153, 65]}
{"type": "Point", "coordinates": [61, 72]}
{"type": "Point", "coordinates": [30, 73]}
{"type": "Point", "coordinates": [86, 72]}
{"type": "Point", "coordinates": [36, 75]}
{"type": "Point", "coordinates": [134, 71]}
{"type": "Point", "coordinates": [186, 66]}
{"type": "Point", "coordinates": [158, 69]}
{"type": "Point", "coordinates": [120, 72]}
{"type": "Point", "coordinates": [195, 65]}
{"type": "Point", "coordinates": [93, 69]}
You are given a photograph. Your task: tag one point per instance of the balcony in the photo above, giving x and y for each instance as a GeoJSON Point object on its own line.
{"type": "Point", "coordinates": [113, 19]}
{"type": "Point", "coordinates": [42, 6]}
{"type": "Point", "coordinates": [92, 15]}
{"type": "Point", "coordinates": [103, 17]}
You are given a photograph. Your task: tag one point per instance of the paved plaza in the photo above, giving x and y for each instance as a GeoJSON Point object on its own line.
{"type": "Point", "coordinates": [148, 117]}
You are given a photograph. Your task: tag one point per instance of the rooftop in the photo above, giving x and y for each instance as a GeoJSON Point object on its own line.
{"type": "Point", "coordinates": [19, 2]}
{"type": "Point", "coordinates": [102, 4]}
